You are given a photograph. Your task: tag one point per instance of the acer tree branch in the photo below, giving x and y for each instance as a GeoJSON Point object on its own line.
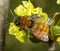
{"type": "Point", "coordinates": [3, 16]}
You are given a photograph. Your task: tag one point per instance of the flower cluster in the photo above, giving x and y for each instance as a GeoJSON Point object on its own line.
{"type": "Point", "coordinates": [20, 35]}
{"type": "Point", "coordinates": [27, 9]}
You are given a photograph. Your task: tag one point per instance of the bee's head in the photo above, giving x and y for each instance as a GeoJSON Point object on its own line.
{"type": "Point", "coordinates": [17, 21]}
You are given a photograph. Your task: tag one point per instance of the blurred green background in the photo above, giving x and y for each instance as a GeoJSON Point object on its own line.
{"type": "Point", "coordinates": [12, 44]}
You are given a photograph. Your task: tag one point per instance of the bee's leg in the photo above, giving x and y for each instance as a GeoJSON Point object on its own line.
{"type": "Point", "coordinates": [51, 45]}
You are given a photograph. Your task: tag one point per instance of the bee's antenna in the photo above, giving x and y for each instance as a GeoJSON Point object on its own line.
{"type": "Point", "coordinates": [13, 18]}
{"type": "Point", "coordinates": [12, 13]}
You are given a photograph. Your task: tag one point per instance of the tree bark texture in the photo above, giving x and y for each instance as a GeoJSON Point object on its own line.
{"type": "Point", "coordinates": [4, 4]}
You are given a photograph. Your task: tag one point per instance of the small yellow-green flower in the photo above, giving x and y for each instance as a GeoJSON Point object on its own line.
{"type": "Point", "coordinates": [58, 1]}
{"type": "Point", "coordinates": [13, 29]}
{"type": "Point", "coordinates": [20, 35]}
{"type": "Point", "coordinates": [37, 11]}
{"type": "Point", "coordinates": [20, 10]}
{"type": "Point", "coordinates": [58, 40]}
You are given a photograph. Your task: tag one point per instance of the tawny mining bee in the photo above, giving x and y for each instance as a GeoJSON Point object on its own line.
{"type": "Point", "coordinates": [37, 29]}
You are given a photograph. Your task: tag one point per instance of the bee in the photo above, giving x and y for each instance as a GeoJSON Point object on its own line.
{"type": "Point", "coordinates": [38, 30]}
